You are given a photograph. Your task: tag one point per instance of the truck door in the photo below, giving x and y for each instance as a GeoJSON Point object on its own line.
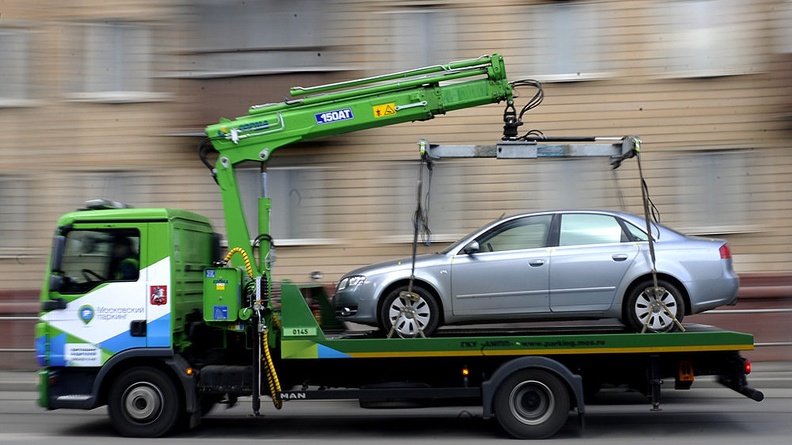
{"type": "Point", "coordinates": [103, 294]}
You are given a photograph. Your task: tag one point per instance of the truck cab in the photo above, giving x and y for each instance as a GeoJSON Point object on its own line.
{"type": "Point", "coordinates": [120, 280]}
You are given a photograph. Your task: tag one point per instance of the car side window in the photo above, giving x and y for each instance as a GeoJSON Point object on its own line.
{"type": "Point", "coordinates": [581, 229]}
{"type": "Point", "coordinates": [636, 233]}
{"type": "Point", "coordinates": [522, 233]}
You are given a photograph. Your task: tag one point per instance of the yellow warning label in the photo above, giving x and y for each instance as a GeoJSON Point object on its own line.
{"type": "Point", "coordinates": [220, 286]}
{"type": "Point", "coordinates": [384, 110]}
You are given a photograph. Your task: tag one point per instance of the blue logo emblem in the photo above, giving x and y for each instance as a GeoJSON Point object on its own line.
{"type": "Point", "coordinates": [327, 117]}
{"type": "Point", "coordinates": [220, 313]}
{"type": "Point", "coordinates": [86, 313]}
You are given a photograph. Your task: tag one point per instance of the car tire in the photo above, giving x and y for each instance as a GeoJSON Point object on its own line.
{"type": "Point", "coordinates": [643, 309]}
{"type": "Point", "coordinates": [411, 317]}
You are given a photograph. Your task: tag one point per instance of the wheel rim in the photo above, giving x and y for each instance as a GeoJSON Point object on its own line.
{"type": "Point", "coordinates": [656, 309]}
{"type": "Point", "coordinates": [143, 402]}
{"type": "Point", "coordinates": [531, 402]}
{"type": "Point", "coordinates": [409, 317]}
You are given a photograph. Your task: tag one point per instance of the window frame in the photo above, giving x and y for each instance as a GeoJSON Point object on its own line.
{"type": "Point", "coordinates": [554, 40]}
{"type": "Point", "coordinates": [251, 185]}
{"type": "Point", "coordinates": [19, 74]}
{"type": "Point", "coordinates": [93, 81]}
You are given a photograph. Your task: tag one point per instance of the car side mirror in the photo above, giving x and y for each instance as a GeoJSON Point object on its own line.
{"type": "Point", "coordinates": [471, 248]}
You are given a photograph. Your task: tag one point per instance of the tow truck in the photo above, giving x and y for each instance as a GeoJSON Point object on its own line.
{"type": "Point", "coordinates": [190, 328]}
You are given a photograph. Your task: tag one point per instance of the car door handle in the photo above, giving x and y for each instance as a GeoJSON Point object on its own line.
{"type": "Point", "coordinates": [619, 257]}
{"type": "Point", "coordinates": [536, 263]}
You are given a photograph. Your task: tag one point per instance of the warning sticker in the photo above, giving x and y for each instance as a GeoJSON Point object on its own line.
{"type": "Point", "coordinates": [384, 110]}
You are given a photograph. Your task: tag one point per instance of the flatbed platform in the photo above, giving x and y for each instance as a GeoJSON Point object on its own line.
{"type": "Point", "coordinates": [303, 338]}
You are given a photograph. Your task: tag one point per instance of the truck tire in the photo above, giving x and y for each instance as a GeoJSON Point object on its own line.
{"type": "Point", "coordinates": [642, 306]}
{"type": "Point", "coordinates": [531, 404]}
{"type": "Point", "coordinates": [144, 402]}
{"type": "Point", "coordinates": [411, 317]}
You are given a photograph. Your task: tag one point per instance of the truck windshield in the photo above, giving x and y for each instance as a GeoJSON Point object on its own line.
{"type": "Point", "coordinates": [92, 257]}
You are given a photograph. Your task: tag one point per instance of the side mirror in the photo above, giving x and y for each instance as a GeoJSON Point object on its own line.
{"type": "Point", "coordinates": [55, 282]}
{"type": "Point", "coordinates": [56, 263]}
{"type": "Point", "coordinates": [471, 248]}
{"type": "Point", "coordinates": [54, 304]}
{"type": "Point", "coordinates": [56, 258]}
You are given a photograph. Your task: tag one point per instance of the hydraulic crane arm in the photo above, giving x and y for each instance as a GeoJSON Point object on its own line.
{"type": "Point", "coordinates": [340, 108]}
{"type": "Point", "coordinates": [372, 102]}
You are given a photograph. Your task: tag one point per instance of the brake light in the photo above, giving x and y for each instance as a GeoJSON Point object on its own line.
{"type": "Point", "coordinates": [725, 253]}
{"type": "Point", "coordinates": [747, 367]}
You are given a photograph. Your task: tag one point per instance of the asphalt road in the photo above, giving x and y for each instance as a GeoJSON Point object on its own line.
{"type": "Point", "coordinates": [706, 414]}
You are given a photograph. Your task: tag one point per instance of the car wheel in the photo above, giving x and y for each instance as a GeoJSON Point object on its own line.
{"type": "Point", "coordinates": [651, 309]}
{"type": "Point", "coordinates": [408, 315]}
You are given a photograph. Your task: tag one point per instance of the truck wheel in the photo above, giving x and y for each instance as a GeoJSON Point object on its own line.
{"type": "Point", "coordinates": [410, 314]}
{"type": "Point", "coordinates": [144, 402]}
{"type": "Point", "coordinates": [646, 306]}
{"type": "Point", "coordinates": [531, 404]}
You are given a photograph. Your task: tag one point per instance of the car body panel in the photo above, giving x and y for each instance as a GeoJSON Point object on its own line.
{"type": "Point", "coordinates": [549, 281]}
{"type": "Point", "coordinates": [494, 283]}
{"type": "Point", "coordinates": [585, 278]}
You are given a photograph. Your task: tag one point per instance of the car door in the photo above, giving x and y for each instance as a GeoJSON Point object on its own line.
{"type": "Point", "coordinates": [507, 274]}
{"type": "Point", "coordinates": [587, 266]}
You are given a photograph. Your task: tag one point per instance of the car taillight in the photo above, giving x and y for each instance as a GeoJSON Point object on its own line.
{"type": "Point", "coordinates": [725, 253]}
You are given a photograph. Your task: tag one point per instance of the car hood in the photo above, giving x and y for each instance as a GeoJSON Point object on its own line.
{"type": "Point", "coordinates": [421, 261]}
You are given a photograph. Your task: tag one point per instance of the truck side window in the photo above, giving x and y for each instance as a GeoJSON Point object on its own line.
{"type": "Point", "coordinates": [92, 257]}
{"type": "Point", "coordinates": [124, 260]}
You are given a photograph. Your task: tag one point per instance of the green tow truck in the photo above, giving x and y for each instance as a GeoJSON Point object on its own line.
{"type": "Point", "coordinates": [143, 311]}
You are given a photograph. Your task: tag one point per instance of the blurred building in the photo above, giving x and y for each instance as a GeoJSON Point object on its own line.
{"type": "Point", "coordinates": [109, 99]}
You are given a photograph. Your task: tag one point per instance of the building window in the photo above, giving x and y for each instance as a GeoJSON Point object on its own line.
{"type": "Point", "coordinates": [123, 187]}
{"type": "Point", "coordinates": [561, 41]}
{"type": "Point", "coordinates": [783, 27]}
{"type": "Point", "coordinates": [586, 183]}
{"type": "Point", "coordinates": [130, 188]}
{"type": "Point", "coordinates": [421, 37]}
{"type": "Point", "coordinates": [703, 38]}
{"type": "Point", "coordinates": [255, 37]}
{"type": "Point", "coordinates": [113, 63]}
{"type": "Point", "coordinates": [14, 207]}
{"type": "Point", "coordinates": [713, 193]}
{"type": "Point", "coordinates": [442, 201]}
{"type": "Point", "coordinates": [298, 203]}
{"type": "Point", "coordinates": [15, 67]}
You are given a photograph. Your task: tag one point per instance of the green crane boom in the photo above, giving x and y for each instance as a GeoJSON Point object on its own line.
{"type": "Point", "coordinates": [338, 108]}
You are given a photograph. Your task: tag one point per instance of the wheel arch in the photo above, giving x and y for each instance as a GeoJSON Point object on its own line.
{"type": "Point", "coordinates": [173, 366]}
{"type": "Point", "coordinates": [573, 382]}
{"type": "Point", "coordinates": [406, 282]}
{"type": "Point", "coordinates": [660, 276]}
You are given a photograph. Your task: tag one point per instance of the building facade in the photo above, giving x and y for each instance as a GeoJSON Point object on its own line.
{"type": "Point", "coordinates": [109, 99]}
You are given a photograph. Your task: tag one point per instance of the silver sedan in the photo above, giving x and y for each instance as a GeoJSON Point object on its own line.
{"type": "Point", "coordinates": [559, 265]}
